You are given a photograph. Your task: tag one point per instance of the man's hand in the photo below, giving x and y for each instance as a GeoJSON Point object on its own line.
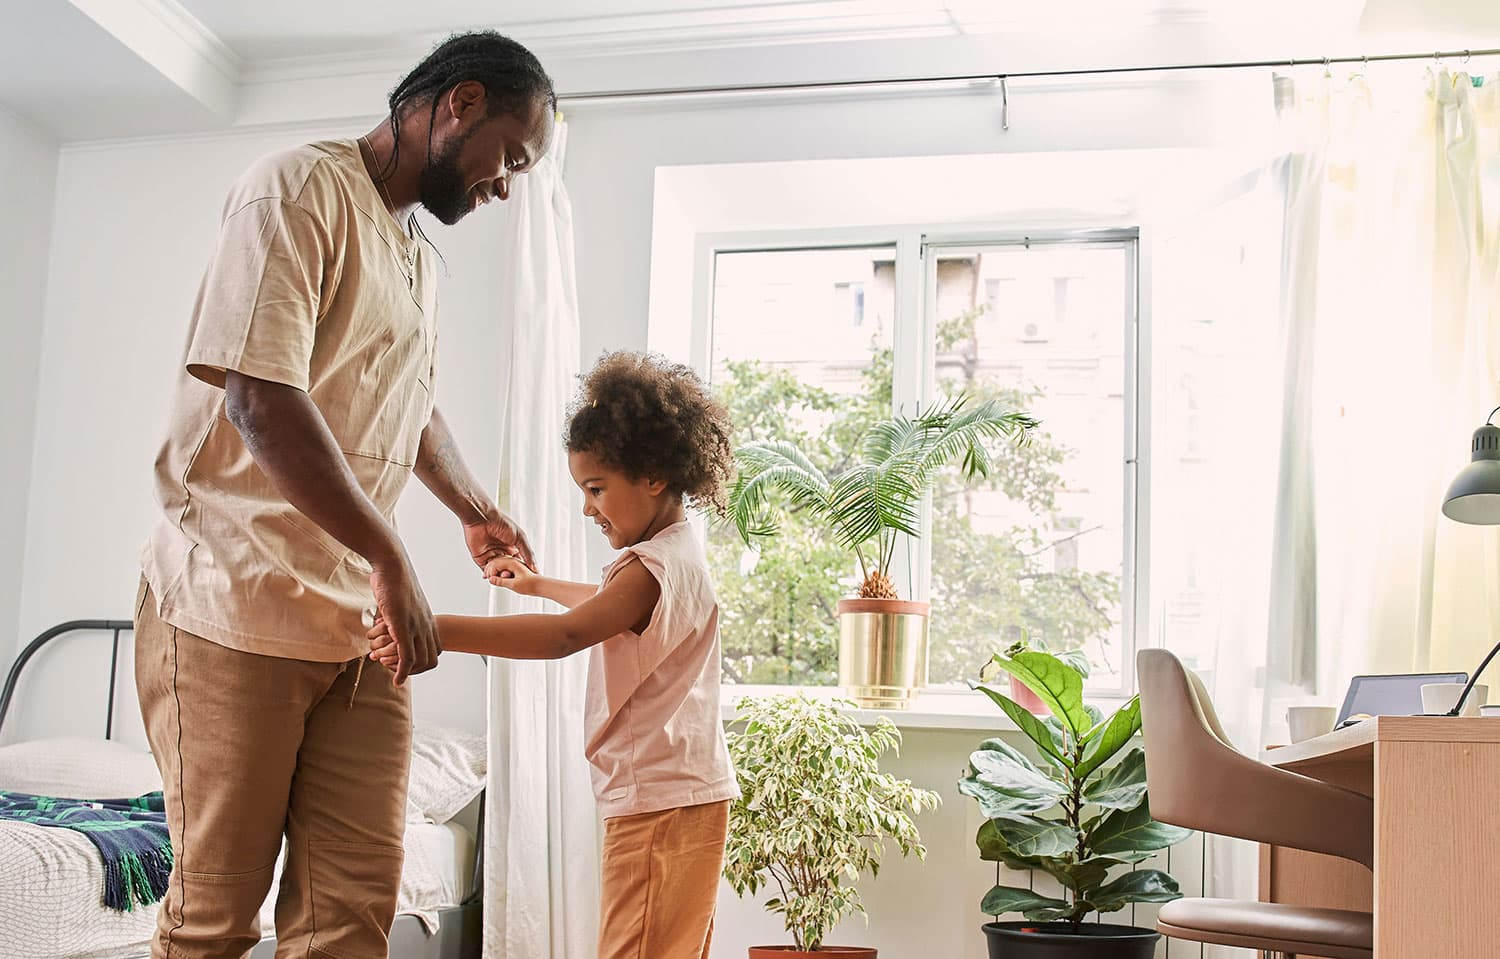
{"type": "Point", "coordinates": [497, 536]}
{"type": "Point", "coordinates": [403, 614]}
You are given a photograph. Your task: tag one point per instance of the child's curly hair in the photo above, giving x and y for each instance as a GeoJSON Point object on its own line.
{"type": "Point", "coordinates": [650, 418]}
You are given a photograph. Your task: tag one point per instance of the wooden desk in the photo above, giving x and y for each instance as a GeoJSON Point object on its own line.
{"type": "Point", "coordinates": [1436, 786]}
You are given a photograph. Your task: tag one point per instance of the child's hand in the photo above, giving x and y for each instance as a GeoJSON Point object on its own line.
{"type": "Point", "coordinates": [511, 573]}
{"type": "Point", "coordinates": [383, 648]}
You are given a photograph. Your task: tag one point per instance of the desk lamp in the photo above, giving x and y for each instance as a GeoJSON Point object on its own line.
{"type": "Point", "coordinates": [1474, 497]}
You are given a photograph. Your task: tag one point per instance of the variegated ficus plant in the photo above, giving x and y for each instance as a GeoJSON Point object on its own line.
{"type": "Point", "coordinates": [1073, 814]}
{"type": "Point", "coordinates": [815, 809]}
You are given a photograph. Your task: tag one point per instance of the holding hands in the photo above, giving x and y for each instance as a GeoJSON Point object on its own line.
{"type": "Point", "coordinates": [510, 572]}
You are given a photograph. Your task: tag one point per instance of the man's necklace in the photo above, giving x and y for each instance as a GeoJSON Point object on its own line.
{"type": "Point", "coordinates": [380, 182]}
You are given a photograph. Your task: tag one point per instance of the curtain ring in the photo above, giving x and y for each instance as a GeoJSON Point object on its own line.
{"type": "Point", "coordinates": [1004, 105]}
{"type": "Point", "coordinates": [1327, 69]}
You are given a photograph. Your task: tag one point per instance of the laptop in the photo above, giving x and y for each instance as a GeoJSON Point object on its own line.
{"type": "Point", "coordinates": [1398, 694]}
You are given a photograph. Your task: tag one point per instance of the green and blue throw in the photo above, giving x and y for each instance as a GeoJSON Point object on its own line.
{"type": "Point", "coordinates": [130, 834]}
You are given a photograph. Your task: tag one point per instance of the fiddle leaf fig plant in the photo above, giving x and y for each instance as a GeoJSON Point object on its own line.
{"type": "Point", "coordinates": [1073, 815]}
{"type": "Point", "coordinates": [814, 809]}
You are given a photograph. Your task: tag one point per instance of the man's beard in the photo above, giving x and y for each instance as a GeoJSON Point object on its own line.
{"type": "Point", "coordinates": [441, 187]}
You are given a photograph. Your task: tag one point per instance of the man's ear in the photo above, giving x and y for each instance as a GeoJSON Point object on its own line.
{"type": "Point", "coordinates": [467, 102]}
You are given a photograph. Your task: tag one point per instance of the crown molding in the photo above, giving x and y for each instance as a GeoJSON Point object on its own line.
{"type": "Point", "coordinates": [753, 25]}
{"type": "Point", "coordinates": [192, 32]}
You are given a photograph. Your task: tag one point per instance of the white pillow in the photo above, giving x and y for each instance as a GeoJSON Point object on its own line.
{"type": "Point", "coordinates": [448, 769]}
{"type": "Point", "coordinates": [72, 768]}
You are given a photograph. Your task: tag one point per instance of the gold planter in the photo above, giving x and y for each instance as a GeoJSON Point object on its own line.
{"type": "Point", "coordinates": [882, 650]}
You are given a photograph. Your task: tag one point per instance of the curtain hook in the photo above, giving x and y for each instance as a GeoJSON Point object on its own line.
{"type": "Point", "coordinates": [1327, 69]}
{"type": "Point", "coordinates": [1004, 104]}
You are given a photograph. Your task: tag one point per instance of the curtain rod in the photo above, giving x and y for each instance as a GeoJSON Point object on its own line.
{"type": "Point", "coordinates": [662, 92]}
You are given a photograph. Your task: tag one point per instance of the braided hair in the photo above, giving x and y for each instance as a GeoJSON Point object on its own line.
{"type": "Point", "coordinates": [511, 75]}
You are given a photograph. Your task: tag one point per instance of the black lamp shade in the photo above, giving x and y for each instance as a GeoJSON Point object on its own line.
{"type": "Point", "coordinates": [1474, 496]}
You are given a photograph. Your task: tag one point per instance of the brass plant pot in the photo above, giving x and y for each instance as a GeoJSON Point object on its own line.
{"type": "Point", "coordinates": [882, 650]}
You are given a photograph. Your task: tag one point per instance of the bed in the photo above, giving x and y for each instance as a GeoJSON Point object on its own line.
{"type": "Point", "coordinates": [51, 879]}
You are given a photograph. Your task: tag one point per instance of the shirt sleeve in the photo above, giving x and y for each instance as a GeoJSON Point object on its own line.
{"type": "Point", "coordinates": [259, 307]}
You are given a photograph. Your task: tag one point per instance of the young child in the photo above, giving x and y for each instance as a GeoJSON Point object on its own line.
{"type": "Point", "coordinates": [644, 437]}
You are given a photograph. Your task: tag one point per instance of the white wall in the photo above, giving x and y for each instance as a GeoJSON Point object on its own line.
{"type": "Point", "coordinates": [614, 152]}
{"type": "Point", "coordinates": [28, 165]}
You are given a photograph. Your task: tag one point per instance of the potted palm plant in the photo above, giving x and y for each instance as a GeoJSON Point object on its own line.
{"type": "Point", "coordinates": [882, 637]}
{"type": "Point", "coordinates": [1071, 815]}
{"type": "Point", "coordinates": [813, 815]}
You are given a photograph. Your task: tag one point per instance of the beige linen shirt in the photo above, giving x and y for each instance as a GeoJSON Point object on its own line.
{"type": "Point", "coordinates": [313, 285]}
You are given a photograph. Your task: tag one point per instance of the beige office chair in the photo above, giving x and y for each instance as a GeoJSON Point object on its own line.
{"type": "Point", "coordinates": [1198, 780]}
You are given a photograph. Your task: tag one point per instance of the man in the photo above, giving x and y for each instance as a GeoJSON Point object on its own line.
{"type": "Point", "coordinates": [304, 404]}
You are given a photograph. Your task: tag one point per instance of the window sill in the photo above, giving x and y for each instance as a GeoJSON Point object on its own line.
{"type": "Point", "coordinates": [953, 709]}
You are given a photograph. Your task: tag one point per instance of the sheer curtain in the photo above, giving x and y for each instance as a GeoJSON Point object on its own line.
{"type": "Point", "coordinates": [541, 838]}
{"type": "Point", "coordinates": [1332, 323]}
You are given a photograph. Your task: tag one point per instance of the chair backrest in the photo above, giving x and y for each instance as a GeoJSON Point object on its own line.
{"type": "Point", "coordinates": [1197, 778]}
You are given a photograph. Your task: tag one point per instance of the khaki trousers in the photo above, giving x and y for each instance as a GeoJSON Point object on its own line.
{"type": "Point", "coordinates": [660, 882]}
{"type": "Point", "coordinates": [252, 748]}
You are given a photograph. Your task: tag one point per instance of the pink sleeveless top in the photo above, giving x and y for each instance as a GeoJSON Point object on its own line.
{"type": "Point", "coordinates": [653, 731]}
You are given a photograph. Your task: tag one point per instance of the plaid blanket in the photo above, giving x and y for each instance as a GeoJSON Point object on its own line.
{"type": "Point", "coordinates": [130, 834]}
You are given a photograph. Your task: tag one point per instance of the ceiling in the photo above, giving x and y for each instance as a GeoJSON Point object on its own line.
{"type": "Point", "coordinates": [100, 69]}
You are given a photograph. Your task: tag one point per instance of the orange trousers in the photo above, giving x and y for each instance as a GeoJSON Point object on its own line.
{"type": "Point", "coordinates": [660, 882]}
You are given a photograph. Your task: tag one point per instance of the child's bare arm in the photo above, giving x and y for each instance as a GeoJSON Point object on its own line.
{"type": "Point", "coordinates": [511, 573]}
{"type": "Point", "coordinates": [624, 604]}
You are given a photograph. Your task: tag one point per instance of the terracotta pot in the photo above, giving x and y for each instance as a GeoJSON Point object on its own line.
{"type": "Point", "coordinates": [827, 952]}
{"type": "Point", "coordinates": [882, 650]}
{"type": "Point", "coordinates": [1026, 699]}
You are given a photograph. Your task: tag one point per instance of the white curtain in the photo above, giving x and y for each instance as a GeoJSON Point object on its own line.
{"type": "Point", "coordinates": [1341, 304]}
{"type": "Point", "coordinates": [541, 838]}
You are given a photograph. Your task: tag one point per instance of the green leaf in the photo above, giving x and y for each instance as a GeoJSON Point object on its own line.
{"type": "Point", "coordinates": [1143, 885]}
{"type": "Point", "coordinates": [1123, 785]}
{"type": "Point", "coordinates": [1036, 838]}
{"type": "Point", "coordinates": [993, 848]}
{"type": "Point", "coordinates": [1007, 784]}
{"type": "Point", "coordinates": [776, 465]}
{"type": "Point", "coordinates": [1027, 723]}
{"type": "Point", "coordinates": [1078, 659]}
{"type": "Point", "coordinates": [1132, 832]}
{"type": "Point", "coordinates": [1110, 738]}
{"type": "Point", "coordinates": [1057, 685]}
{"type": "Point", "coordinates": [1081, 877]}
{"type": "Point", "coordinates": [1003, 900]}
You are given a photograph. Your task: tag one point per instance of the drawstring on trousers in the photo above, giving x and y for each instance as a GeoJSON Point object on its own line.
{"type": "Point", "coordinates": [359, 671]}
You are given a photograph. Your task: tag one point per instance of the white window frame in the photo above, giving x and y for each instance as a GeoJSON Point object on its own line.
{"type": "Point", "coordinates": [913, 374]}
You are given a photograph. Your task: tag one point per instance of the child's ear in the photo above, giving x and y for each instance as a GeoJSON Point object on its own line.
{"type": "Point", "coordinates": [656, 487]}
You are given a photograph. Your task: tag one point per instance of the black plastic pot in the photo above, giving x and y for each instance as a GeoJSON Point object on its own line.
{"type": "Point", "coordinates": [1063, 940]}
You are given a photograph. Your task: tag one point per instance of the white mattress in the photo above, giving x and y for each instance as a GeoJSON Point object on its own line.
{"type": "Point", "coordinates": [51, 884]}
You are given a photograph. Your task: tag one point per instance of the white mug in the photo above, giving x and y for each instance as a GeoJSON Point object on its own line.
{"type": "Point", "coordinates": [1308, 722]}
{"type": "Point", "coordinates": [1438, 698]}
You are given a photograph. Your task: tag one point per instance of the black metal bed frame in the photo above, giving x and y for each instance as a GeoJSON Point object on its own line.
{"type": "Point", "coordinates": [115, 626]}
{"type": "Point", "coordinates": [118, 626]}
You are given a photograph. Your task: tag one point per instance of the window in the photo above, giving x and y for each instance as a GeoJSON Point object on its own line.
{"type": "Point", "coordinates": [1039, 549]}
{"type": "Point", "coordinates": [791, 365]}
{"type": "Point", "coordinates": [812, 345]}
